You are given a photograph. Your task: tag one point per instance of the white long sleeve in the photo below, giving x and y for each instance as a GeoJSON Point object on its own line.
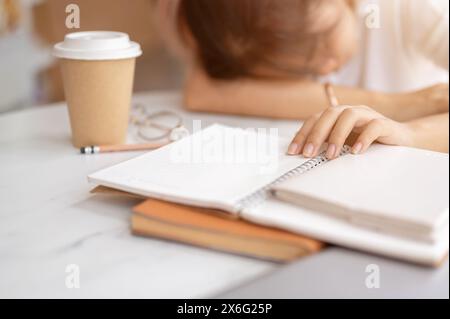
{"type": "Point", "coordinates": [426, 29]}
{"type": "Point", "coordinates": [408, 51]}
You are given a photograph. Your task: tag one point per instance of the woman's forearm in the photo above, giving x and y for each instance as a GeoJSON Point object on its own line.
{"type": "Point", "coordinates": [431, 132]}
{"type": "Point", "coordinates": [276, 99]}
{"type": "Point", "coordinates": [293, 99]}
{"type": "Point", "coordinates": [286, 100]}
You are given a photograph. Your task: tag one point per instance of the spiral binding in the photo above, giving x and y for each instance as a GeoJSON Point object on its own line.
{"type": "Point", "coordinates": [263, 193]}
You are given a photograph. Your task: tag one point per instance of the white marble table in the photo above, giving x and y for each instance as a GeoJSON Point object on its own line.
{"type": "Point", "coordinates": [48, 220]}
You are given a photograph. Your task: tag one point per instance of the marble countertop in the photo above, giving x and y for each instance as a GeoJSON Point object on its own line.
{"type": "Point", "coordinates": [49, 221]}
{"type": "Point", "coordinates": [59, 241]}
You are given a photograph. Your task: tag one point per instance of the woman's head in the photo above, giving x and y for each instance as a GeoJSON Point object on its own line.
{"type": "Point", "coordinates": [268, 38]}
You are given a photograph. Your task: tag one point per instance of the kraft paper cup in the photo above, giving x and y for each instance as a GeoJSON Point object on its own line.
{"type": "Point", "coordinates": [98, 71]}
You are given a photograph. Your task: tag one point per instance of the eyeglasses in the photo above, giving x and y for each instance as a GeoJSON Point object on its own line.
{"type": "Point", "coordinates": [157, 125]}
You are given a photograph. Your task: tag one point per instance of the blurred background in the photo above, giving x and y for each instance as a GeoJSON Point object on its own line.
{"type": "Point", "coordinates": [29, 76]}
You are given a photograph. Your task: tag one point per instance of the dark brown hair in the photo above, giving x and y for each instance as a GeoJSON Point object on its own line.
{"type": "Point", "coordinates": [233, 38]}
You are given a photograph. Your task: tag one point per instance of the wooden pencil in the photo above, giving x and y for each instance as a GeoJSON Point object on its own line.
{"type": "Point", "coordinates": [95, 149]}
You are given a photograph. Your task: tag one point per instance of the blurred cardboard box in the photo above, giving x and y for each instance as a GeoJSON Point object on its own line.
{"type": "Point", "coordinates": [134, 17]}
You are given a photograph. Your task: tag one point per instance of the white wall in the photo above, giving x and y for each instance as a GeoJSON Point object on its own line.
{"type": "Point", "coordinates": [20, 60]}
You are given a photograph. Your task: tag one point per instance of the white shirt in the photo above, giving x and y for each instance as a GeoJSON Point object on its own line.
{"type": "Point", "coordinates": [408, 49]}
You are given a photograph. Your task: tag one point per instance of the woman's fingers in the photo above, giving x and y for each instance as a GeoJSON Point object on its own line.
{"type": "Point", "coordinates": [342, 129]}
{"type": "Point", "coordinates": [297, 143]}
{"type": "Point", "coordinates": [335, 126]}
{"type": "Point", "coordinates": [371, 133]}
{"type": "Point", "coordinates": [321, 130]}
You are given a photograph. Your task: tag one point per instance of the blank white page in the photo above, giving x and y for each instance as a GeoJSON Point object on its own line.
{"type": "Point", "coordinates": [214, 168]}
{"type": "Point", "coordinates": [388, 182]}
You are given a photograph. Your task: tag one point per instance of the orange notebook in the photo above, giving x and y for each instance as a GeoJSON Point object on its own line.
{"type": "Point", "coordinates": [201, 227]}
{"type": "Point", "coordinates": [213, 229]}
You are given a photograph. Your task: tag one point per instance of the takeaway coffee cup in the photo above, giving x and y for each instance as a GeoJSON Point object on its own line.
{"type": "Point", "coordinates": [98, 71]}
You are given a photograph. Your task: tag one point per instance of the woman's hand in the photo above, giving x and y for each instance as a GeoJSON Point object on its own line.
{"type": "Point", "coordinates": [335, 124]}
{"type": "Point", "coordinates": [410, 106]}
{"type": "Point", "coordinates": [429, 101]}
{"type": "Point", "coordinates": [434, 98]}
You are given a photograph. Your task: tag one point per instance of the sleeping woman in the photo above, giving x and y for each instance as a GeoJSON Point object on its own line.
{"type": "Point", "coordinates": [387, 60]}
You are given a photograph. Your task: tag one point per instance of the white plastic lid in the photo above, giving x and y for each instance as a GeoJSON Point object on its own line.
{"type": "Point", "coordinates": [97, 45]}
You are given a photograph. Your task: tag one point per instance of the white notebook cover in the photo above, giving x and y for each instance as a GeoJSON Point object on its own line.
{"type": "Point", "coordinates": [336, 231]}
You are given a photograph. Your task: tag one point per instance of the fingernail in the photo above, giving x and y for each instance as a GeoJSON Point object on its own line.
{"type": "Point", "coordinates": [309, 150]}
{"type": "Point", "coordinates": [331, 150]}
{"type": "Point", "coordinates": [357, 148]}
{"type": "Point", "coordinates": [293, 149]}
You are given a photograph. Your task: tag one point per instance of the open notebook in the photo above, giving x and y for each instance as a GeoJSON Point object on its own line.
{"type": "Point", "coordinates": [238, 170]}
{"type": "Point", "coordinates": [398, 190]}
